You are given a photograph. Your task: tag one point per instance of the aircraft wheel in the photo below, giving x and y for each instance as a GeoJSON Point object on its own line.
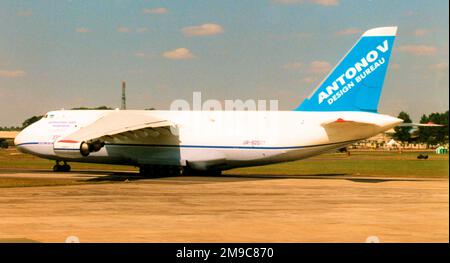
{"type": "Point", "coordinates": [159, 170]}
{"type": "Point", "coordinates": [144, 170]}
{"type": "Point", "coordinates": [56, 168]}
{"type": "Point", "coordinates": [213, 173]}
{"type": "Point", "coordinates": [191, 172]}
{"type": "Point", "coordinates": [66, 168]}
{"type": "Point", "coordinates": [174, 171]}
{"type": "Point", "coordinates": [154, 171]}
{"type": "Point", "coordinates": [61, 168]}
{"type": "Point", "coordinates": [177, 170]}
{"type": "Point", "coordinates": [147, 171]}
{"type": "Point", "coordinates": [186, 171]}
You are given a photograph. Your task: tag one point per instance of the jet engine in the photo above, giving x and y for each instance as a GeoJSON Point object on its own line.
{"type": "Point", "coordinates": [75, 149]}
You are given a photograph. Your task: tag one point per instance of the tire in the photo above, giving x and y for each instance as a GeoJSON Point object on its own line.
{"type": "Point", "coordinates": [174, 171]}
{"type": "Point", "coordinates": [66, 168]}
{"type": "Point", "coordinates": [143, 171]}
{"type": "Point", "coordinates": [159, 171]}
{"type": "Point", "coordinates": [191, 172]}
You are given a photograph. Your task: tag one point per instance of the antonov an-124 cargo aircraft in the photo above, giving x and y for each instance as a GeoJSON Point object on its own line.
{"type": "Point", "coordinates": [340, 111]}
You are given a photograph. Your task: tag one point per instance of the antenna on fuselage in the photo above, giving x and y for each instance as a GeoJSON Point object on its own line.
{"type": "Point", "coordinates": [124, 100]}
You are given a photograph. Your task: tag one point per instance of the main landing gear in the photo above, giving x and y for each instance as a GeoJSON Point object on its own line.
{"type": "Point", "coordinates": [171, 170]}
{"type": "Point", "coordinates": [191, 172]}
{"type": "Point", "coordinates": [159, 170]}
{"type": "Point", "coordinates": [61, 168]}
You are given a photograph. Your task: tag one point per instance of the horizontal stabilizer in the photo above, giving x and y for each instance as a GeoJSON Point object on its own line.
{"type": "Point", "coordinates": [345, 129]}
{"type": "Point", "coordinates": [346, 124]}
{"type": "Point", "coordinates": [430, 124]}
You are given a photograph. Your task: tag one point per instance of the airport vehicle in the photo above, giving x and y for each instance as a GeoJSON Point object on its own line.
{"type": "Point", "coordinates": [340, 111]}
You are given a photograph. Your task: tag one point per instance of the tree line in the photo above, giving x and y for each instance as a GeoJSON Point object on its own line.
{"type": "Point", "coordinates": [427, 135]}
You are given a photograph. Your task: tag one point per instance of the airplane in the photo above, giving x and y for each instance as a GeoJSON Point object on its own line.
{"type": "Point", "coordinates": [342, 110]}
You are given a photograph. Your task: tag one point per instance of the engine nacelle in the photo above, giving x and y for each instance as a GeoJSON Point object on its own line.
{"type": "Point", "coordinates": [75, 149]}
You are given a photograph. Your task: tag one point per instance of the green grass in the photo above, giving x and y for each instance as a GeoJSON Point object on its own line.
{"type": "Point", "coordinates": [11, 159]}
{"type": "Point", "coordinates": [359, 163]}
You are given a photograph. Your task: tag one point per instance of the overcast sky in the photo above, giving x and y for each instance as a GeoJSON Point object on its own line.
{"type": "Point", "coordinates": [64, 54]}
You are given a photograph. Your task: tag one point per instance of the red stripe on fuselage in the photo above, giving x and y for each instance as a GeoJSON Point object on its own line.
{"type": "Point", "coordinates": [68, 141]}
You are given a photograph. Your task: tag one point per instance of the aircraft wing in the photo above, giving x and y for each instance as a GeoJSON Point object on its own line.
{"type": "Point", "coordinates": [117, 127]}
{"type": "Point", "coordinates": [420, 125]}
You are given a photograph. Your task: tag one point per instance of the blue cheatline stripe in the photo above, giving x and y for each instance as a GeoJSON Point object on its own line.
{"type": "Point", "coordinates": [27, 143]}
{"type": "Point", "coordinates": [230, 147]}
{"type": "Point", "coordinates": [201, 146]}
{"type": "Point", "coordinates": [30, 143]}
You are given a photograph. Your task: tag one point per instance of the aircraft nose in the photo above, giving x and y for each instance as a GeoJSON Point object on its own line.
{"type": "Point", "coordinates": [19, 140]}
{"type": "Point", "coordinates": [22, 140]}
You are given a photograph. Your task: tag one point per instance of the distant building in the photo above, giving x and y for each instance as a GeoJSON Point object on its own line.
{"type": "Point", "coordinates": [8, 134]}
{"type": "Point", "coordinates": [7, 138]}
{"type": "Point", "coordinates": [386, 141]}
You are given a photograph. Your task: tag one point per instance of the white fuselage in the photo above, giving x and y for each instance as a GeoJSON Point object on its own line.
{"type": "Point", "coordinates": [208, 139]}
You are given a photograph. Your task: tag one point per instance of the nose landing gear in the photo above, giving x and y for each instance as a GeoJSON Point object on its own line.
{"type": "Point", "coordinates": [61, 168]}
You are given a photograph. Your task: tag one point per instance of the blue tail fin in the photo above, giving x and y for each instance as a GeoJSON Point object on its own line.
{"type": "Point", "coordinates": [355, 84]}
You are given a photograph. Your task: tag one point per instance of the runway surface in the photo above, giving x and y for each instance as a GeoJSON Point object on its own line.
{"type": "Point", "coordinates": [123, 207]}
